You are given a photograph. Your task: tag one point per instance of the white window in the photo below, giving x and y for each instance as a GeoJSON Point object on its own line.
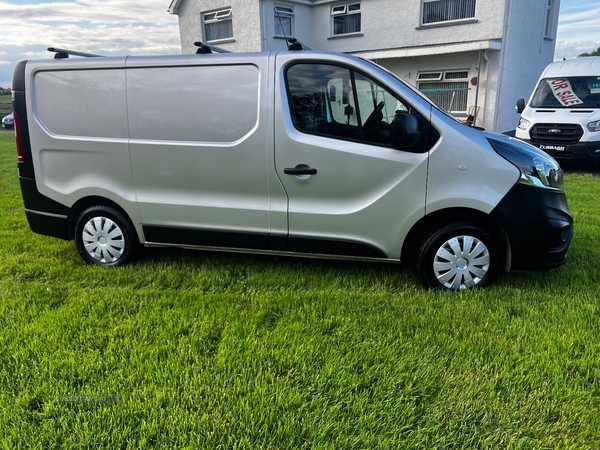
{"type": "Point", "coordinates": [345, 19]}
{"type": "Point", "coordinates": [549, 20]}
{"type": "Point", "coordinates": [218, 25]}
{"type": "Point", "coordinates": [449, 90]}
{"type": "Point", "coordinates": [435, 11]}
{"type": "Point", "coordinates": [284, 20]}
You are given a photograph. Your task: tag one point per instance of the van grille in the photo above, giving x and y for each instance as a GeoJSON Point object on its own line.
{"type": "Point", "coordinates": [561, 133]}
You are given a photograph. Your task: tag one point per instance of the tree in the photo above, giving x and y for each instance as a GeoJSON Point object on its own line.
{"type": "Point", "coordinates": [594, 53]}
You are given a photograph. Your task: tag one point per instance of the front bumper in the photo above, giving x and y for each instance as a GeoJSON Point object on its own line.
{"type": "Point", "coordinates": [538, 224]}
{"type": "Point", "coordinates": [588, 152]}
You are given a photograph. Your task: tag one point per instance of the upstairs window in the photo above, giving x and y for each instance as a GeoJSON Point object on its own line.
{"type": "Point", "coordinates": [284, 20]}
{"type": "Point", "coordinates": [435, 11]}
{"type": "Point", "coordinates": [218, 25]}
{"type": "Point", "coordinates": [345, 19]}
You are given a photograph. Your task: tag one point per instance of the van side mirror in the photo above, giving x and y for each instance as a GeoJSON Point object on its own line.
{"type": "Point", "coordinates": [405, 131]}
{"type": "Point", "coordinates": [520, 105]}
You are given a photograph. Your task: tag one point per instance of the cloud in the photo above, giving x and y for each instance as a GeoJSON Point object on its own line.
{"type": "Point", "coordinates": [104, 27]}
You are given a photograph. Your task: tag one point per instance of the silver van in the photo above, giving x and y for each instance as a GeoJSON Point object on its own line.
{"type": "Point", "coordinates": [299, 153]}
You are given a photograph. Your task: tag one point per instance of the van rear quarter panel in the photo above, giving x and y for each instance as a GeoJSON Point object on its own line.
{"type": "Point", "coordinates": [78, 130]}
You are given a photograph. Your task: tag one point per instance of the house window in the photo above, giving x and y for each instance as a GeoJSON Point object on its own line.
{"type": "Point", "coordinates": [448, 90]}
{"type": "Point", "coordinates": [549, 20]}
{"type": "Point", "coordinates": [284, 20]}
{"type": "Point", "coordinates": [346, 18]}
{"type": "Point", "coordinates": [446, 10]}
{"type": "Point", "coordinates": [218, 25]}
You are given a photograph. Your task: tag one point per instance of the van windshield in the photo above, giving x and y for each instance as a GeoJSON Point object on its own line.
{"type": "Point", "coordinates": [567, 92]}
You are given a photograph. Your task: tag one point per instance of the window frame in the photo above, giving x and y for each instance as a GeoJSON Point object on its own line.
{"type": "Point", "coordinates": [219, 16]}
{"type": "Point", "coordinates": [467, 18]}
{"type": "Point", "coordinates": [446, 76]}
{"type": "Point", "coordinates": [343, 10]}
{"type": "Point", "coordinates": [283, 11]}
{"type": "Point", "coordinates": [353, 72]}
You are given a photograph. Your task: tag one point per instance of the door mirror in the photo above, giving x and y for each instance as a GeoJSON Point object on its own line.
{"type": "Point", "coordinates": [405, 131]}
{"type": "Point", "coordinates": [520, 105]}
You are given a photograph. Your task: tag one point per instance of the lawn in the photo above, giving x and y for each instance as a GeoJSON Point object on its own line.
{"type": "Point", "coordinates": [187, 349]}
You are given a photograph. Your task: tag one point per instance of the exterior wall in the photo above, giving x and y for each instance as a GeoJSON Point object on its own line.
{"type": "Point", "coordinates": [408, 68]}
{"type": "Point", "coordinates": [503, 45]}
{"type": "Point", "coordinates": [525, 54]}
{"type": "Point", "coordinates": [388, 24]}
{"type": "Point", "coordinates": [246, 24]}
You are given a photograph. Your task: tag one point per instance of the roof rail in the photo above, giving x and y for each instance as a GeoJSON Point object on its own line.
{"type": "Point", "coordinates": [208, 48]}
{"type": "Point", "coordinates": [62, 53]}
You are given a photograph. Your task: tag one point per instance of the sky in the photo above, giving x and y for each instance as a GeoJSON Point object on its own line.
{"type": "Point", "coordinates": [144, 27]}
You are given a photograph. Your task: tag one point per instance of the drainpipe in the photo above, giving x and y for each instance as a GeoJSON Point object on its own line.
{"type": "Point", "coordinates": [263, 36]}
{"type": "Point", "coordinates": [501, 69]}
{"type": "Point", "coordinates": [477, 89]}
{"type": "Point", "coordinates": [485, 78]}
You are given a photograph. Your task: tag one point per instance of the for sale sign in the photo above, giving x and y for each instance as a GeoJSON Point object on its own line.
{"type": "Point", "coordinates": [564, 93]}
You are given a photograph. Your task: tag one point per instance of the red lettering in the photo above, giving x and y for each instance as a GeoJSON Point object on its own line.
{"type": "Point", "coordinates": [560, 84]}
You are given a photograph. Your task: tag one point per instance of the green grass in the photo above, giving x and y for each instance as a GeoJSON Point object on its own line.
{"type": "Point", "coordinates": [189, 349]}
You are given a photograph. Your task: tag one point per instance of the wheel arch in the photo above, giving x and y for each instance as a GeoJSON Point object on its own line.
{"type": "Point", "coordinates": [437, 219]}
{"type": "Point", "coordinates": [87, 202]}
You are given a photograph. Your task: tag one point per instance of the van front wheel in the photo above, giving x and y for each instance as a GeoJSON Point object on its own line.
{"type": "Point", "coordinates": [457, 256]}
{"type": "Point", "coordinates": [104, 237]}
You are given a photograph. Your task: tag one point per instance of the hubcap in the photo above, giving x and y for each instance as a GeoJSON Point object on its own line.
{"type": "Point", "coordinates": [461, 262]}
{"type": "Point", "coordinates": [103, 240]}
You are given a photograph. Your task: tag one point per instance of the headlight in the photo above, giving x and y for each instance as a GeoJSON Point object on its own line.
{"type": "Point", "coordinates": [523, 124]}
{"type": "Point", "coordinates": [594, 126]}
{"type": "Point", "coordinates": [537, 168]}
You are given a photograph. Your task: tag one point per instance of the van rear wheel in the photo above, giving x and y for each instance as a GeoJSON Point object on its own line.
{"type": "Point", "coordinates": [103, 236]}
{"type": "Point", "coordinates": [457, 256]}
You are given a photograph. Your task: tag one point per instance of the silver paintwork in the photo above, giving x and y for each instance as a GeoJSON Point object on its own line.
{"type": "Point", "coordinates": [103, 240]}
{"type": "Point", "coordinates": [461, 262]}
{"type": "Point", "coordinates": [201, 141]}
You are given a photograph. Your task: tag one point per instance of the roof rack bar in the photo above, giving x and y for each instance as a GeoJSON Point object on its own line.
{"type": "Point", "coordinates": [208, 48]}
{"type": "Point", "coordinates": [62, 53]}
{"type": "Point", "coordinates": [295, 44]}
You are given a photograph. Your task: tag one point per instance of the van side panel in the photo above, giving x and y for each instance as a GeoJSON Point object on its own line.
{"type": "Point", "coordinates": [77, 120]}
{"type": "Point", "coordinates": [199, 146]}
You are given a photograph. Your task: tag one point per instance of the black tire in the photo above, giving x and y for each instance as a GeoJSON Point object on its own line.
{"type": "Point", "coordinates": [459, 255]}
{"type": "Point", "coordinates": [103, 236]}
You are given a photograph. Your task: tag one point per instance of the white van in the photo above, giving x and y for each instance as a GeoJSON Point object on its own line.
{"type": "Point", "coordinates": [562, 116]}
{"type": "Point", "coordinates": [294, 153]}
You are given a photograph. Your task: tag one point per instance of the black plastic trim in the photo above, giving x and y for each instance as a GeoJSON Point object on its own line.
{"type": "Point", "coordinates": [35, 201]}
{"type": "Point", "coordinates": [582, 151]}
{"type": "Point", "coordinates": [259, 241]}
{"type": "Point", "coordinates": [53, 225]}
{"type": "Point", "coordinates": [538, 224]}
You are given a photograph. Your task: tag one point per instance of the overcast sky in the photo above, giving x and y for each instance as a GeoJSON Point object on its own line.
{"type": "Point", "coordinates": [142, 27]}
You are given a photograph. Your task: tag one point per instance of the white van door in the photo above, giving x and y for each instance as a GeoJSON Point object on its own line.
{"type": "Point", "coordinates": [198, 150]}
{"type": "Point", "coordinates": [349, 192]}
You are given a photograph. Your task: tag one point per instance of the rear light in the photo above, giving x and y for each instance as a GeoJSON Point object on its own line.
{"type": "Point", "coordinates": [17, 125]}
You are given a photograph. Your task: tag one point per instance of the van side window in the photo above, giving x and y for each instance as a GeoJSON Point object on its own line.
{"type": "Point", "coordinates": [334, 101]}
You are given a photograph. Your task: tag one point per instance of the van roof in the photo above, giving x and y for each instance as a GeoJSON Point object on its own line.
{"type": "Point", "coordinates": [573, 68]}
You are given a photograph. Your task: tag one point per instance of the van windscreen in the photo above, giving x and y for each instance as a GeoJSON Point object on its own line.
{"type": "Point", "coordinates": [567, 92]}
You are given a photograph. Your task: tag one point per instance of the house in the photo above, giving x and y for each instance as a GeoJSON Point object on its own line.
{"type": "Point", "coordinates": [469, 56]}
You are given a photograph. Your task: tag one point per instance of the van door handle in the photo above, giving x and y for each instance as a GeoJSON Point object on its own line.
{"type": "Point", "coordinates": [300, 171]}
